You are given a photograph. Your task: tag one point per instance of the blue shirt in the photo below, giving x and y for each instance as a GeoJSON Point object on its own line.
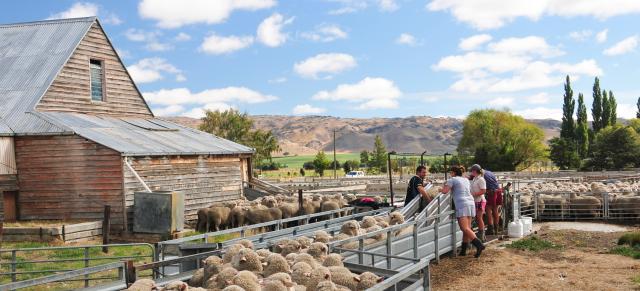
{"type": "Point", "coordinates": [492, 182]}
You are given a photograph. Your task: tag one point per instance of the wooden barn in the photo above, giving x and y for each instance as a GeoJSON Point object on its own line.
{"type": "Point", "coordinates": [74, 128]}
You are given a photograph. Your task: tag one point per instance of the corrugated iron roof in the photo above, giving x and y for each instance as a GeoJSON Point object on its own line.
{"type": "Point", "coordinates": [31, 55]}
{"type": "Point", "coordinates": [144, 137]}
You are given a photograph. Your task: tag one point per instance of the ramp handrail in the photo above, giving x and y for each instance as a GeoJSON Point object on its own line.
{"type": "Point", "coordinates": [66, 276]}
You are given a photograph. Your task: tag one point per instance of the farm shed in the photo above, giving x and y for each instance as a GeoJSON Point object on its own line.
{"type": "Point", "coordinates": [72, 121]}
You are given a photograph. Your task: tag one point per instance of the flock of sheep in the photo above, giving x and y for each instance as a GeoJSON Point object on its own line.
{"type": "Point", "coordinates": [266, 209]}
{"type": "Point", "coordinates": [303, 263]}
{"type": "Point", "coordinates": [581, 200]}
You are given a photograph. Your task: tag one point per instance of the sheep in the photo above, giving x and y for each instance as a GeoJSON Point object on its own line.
{"type": "Point", "coordinates": [318, 251]}
{"type": "Point", "coordinates": [585, 206]}
{"type": "Point", "coordinates": [269, 202]}
{"type": "Point", "coordinates": [377, 237]}
{"type": "Point", "coordinates": [247, 280]}
{"type": "Point", "coordinates": [329, 286]}
{"type": "Point", "coordinates": [288, 209]}
{"type": "Point", "coordinates": [263, 254]}
{"type": "Point", "coordinates": [368, 280]}
{"type": "Point", "coordinates": [230, 252]}
{"type": "Point", "coordinates": [256, 215]}
{"type": "Point", "coordinates": [396, 218]}
{"type": "Point", "coordinates": [285, 247]}
{"type": "Point", "coordinates": [275, 263]}
{"type": "Point", "coordinates": [291, 258]}
{"type": "Point", "coordinates": [246, 243]}
{"type": "Point", "coordinates": [307, 258]}
{"type": "Point", "coordinates": [218, 218]}
{"type": "Point", "coordinates": [247, 260]}
{"type": "Point", "coordinates": [212, 266]}
{"type": "Point", "coordinates": [237, 216]}
{"type": "Point", "coordinates": [176, 286]}
{"type": "Point", "coordinates": [333, 260]}
{"type": "Point", "coordinates": [368, 221]}
{"type": "Point", "coordinates": [318, 275]}
{"type": "Point", "coordinates": [304, 242]}
{"type": "Point", "coordinates": [350, 228]}
{"type": "Point", "coordinates": [233, 288]}
{"type": "Point", "coordinates": [222, 279]}
{"type": "Point", "coordinates": [197, 278]}
{"type": "Point", "coordinates": [321, 236]}
{"type": "Point", "coordinates": [343, 276]}
{"type": "Point", "coordinates": [278, 282]}
{"type": "Point", "coordinates": [143, 285]}
{"type": "Point", "coordinates": [329, 206]}
{"type": "Point", "coordinates": [301, 273]}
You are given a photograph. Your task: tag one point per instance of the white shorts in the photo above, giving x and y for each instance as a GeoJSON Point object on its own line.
{"type": "Point", "coordinates": [466, 210]}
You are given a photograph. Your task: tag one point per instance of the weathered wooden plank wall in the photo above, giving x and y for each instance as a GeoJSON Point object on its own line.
{"type": "Point", "coordinates": [70, 91]}
{"type": "Point", "coordinates": [203, 180]}
{"type": "Point", "coordinates": [8, 183]}
{"type": "Point", "coordinates": [68, 177]}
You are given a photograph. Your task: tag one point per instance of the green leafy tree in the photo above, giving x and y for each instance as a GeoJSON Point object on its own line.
{"type": "Point", "coordinates": [582, 128]}
{"type": "Point", "coordinates": [364, 157]}
{"type": "Point", "coordinates": [596, 106]}
{"type": "Point", "coordinates": [501, 141]}
{"type": "Point", "coordinates": [638, 105]}
{"type": "Point", "coordinates": [616, 147]}
{"type": "Point", "coordinates": [302, 173]}
{"type": "Point", "coordinates": [351, 165]}
{"type": "Point", "coordinates": [613, 109]}
{"type": "Point", "coordinates": [606, 110]}
{"type": "Point", "coordinates": [563, 153]}
{"type": "Point", "coordinates": [321, 163]}
{"type": "Point", "coordinates": [635, 124]}
{"type": "Point", "coordinates": [379, 155]}
{"type": "Point", "coordinates": [237, 127]}
{"type": "Point", "coordinates": [568, 126]}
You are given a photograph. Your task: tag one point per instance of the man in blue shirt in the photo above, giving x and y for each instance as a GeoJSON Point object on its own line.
{"type": "Point", "coordinates": [493, 201]}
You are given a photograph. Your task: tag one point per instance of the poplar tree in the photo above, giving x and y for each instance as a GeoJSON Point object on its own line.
{"type": "Point", "coordinates": [606, 111]}
{"type": "Point", "coordinates": [582, 128]}
{"type": "Point", "coordinates": [613, 109]}
{"type": "Point", "coordinates": [568, 126]}
{"type": "Point", "coordinates": [638, 105]}
{"type": "Point", "coordinates": [596, 107]}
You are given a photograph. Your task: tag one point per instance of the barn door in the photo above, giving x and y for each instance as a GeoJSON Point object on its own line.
{"type": "Point", "coordinates": [10, 203]}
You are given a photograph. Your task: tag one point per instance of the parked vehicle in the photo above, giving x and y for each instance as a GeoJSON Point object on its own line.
{"type": "Point", "coordinates": [354, 174]}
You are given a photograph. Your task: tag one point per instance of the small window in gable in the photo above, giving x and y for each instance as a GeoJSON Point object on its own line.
{"type": "Point", "coordinates": [97, 80]}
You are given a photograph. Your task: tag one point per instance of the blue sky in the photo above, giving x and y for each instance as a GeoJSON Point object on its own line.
{"type": "Point", "coordinates": [366, 58]}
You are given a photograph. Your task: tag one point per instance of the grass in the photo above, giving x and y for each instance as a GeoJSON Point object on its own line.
{"type": "Point", "coordinates": [627, 251]}
{"type": "Point", "coordinates": [62, 256]}
{"type": "Point", "coordinates": [296, 162]}
{"type": "Point", "coordinates": [630, 238]}
{"type": "Point", "coordinates": [534, 244]}
{"type": "Point", "coordinates": [636, 280]}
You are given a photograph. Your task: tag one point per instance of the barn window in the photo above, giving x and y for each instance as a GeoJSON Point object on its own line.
{"type": "Point", "coordinates": [97, 80]}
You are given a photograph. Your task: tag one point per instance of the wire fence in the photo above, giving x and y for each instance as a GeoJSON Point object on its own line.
{"type": "Point", "coordinates": [579, 205]}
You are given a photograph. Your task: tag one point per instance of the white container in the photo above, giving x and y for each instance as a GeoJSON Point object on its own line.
{"type": "Point", "coordinates": [527, 225]}
{"type": "Point", "coordinates": [515, 229]}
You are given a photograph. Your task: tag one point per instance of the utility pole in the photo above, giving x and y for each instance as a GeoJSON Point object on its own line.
{"type": "Point", "coordinates": [335, 163]}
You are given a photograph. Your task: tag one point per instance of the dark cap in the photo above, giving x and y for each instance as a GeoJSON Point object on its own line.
{"type": "Point", "coordinates": [476, 168]}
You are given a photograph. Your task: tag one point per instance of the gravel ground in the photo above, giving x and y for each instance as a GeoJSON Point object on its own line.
{"type": "Point", "coordinates": [583, 263]}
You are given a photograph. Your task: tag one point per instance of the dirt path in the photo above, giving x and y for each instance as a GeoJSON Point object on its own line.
{"type": "Point", "coordinates": [583, 263]}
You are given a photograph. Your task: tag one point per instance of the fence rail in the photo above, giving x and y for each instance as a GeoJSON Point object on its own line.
{"type": "Point", "coordinates": [584, 205]}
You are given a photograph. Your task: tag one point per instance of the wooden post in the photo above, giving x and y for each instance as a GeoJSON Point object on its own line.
{"type": "Point", "coordinates": [130, 273]}
{"type": "Point", "coordinates": [106, 227]}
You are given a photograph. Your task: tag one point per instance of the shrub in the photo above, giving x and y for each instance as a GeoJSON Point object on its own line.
{"type": "Point", "coordinates": [630, 238]}
{"type": "Point", "coordinates": [308, 165]}
{"type": "Point", "coordinates": [534, 244]}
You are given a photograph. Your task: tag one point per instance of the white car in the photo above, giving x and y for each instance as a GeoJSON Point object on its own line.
{"type": "Point", "coordinates": [354, 174]}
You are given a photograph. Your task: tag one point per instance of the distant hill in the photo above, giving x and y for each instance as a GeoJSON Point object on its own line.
{"type": "Point", "coordinates": [304, 135]}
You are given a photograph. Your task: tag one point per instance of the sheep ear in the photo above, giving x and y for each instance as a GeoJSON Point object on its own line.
{"type": "Point", "coordinates": [380, 279]}
{"type": "Point", "coordinates": [327, 276]}
{"type": "Point", "coordinates": [307, 274]}
{"type": "Point", "coordinates": [356, 278]}
{"type": "Point", "coordinates": [265, 264]}
{"type": "Point", "coordinates": [243, 259]}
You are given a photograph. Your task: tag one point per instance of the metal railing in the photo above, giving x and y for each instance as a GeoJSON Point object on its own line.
{"type": "Point", "coordinates": [579, 205]}
{"type": "Point", "coordinates": [70, 275]}
{"type": "Point", "coordinates": [15, 264]}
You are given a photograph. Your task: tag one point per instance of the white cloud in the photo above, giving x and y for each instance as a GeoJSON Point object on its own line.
{"type": "Point", "coordinates": [530, 45]}
{"type": "Point", "coordinates": [173, 14]}
{"type": "Point", "coordinates": [581, 35]}
{"type": "Point", "coordinates": [182, 96]}
{"type": "Point", "coordinates": [304, 109]}
{"type": "Point", "coordinates": [123, 54]}
{"type": "Point", "coordinates": [325, 64]}
{"type": "Point", "coordinates": [369, 93]}
{"type": "Point", "coordinates": [325, 33]}
{"type": "Point", "coordinates": [85, 9]}
{"type": "Point", "coordinates": [540, 113]}
{"type": "Point", "coordinates": [351, 6]}
{"type": "Point", "coordinates": [158, 46]}
{"type": "Point", "coordinates": [627, 111]}
{"type": "Point", "coordinates": [170, 110]}
{"type": "Point", "coordinates": [150, 38]}
{"type": "Point", "coordinates": [500, 102]}
{"type": "Point", "coordinates": [602, 36]}
{"type": "Point", "coordinates": [388, 5]}
{"type": "Point", "coordinates": [512, 64]}
{"type": "Point", "coordinates": [473, 42]}
{"type": "Point", "coordinates": [217, 45]}
{"type": "Point", "coordinates": [490, 14]}
{"type": "Point", "coordinates": [270, 30]}
{"type": "Point", "coordinates": [624, 46]}
{"type": "Point", "coordinates": [407, 39]}
{"type": "Point", "coordinates": [182, 37]}
{"type": "Point", "coordinates": [78, 9]}
{"type": "Point", "coordinates": [199, 112]}
{"type": "Point", "coordinates": [151, 69]}
{"type": "Point", "coordinates": [540, 98]}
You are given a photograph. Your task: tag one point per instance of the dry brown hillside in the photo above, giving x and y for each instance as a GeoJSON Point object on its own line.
{"type": "Point", "coordinates": [308, 134]}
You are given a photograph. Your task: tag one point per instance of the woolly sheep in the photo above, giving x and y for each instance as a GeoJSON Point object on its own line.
{"type": "Point", "coordinates": [301, 273]}
{"type": "Point", "coordinates": [197, 279]}
{"type": "Point", "coordinates": [275, 263]}
{"type": "Point", "coordinates": [307, 258]}
{"type": "Point", "coordinates": [285, 247]}
{"type": "Point", "coordinates": [247, 280]}
{"type": "Point", "coordinates": [318, 275]}
{"type": "Point", "coordinates": [247, 260]}
{"type": "Point", "coordinates": [396, 218]}
{"type": "Point", "coordinates": [233, 288]}
{"type": "Point", "coordinates": [368, 221]}
{"type": "Point", "coordinates": [368, 280]}
{"type": "Point", "coordinates": [230, 252]}
{"type": "Point", "coordinates": [318, 250]}
{"type": "Point", "coordinates": [237, 216]}
{"type": "Point", "coordinates": [143, 285]}
{"type": "Point", "coordinates": [176, 286]}
{"type": "Point", "coordinates": [304, 241]}
{"type": "Point", "coordinates": [212, 266]}
{"type": "Point", "coordinates": [343, 276]}
{"type": "Point", "coordinates": [246, 243]}
{"type": "Point", "coordinates": [321, 236]}
{"type": "Point", "coordinates": [278, 282]}
{"type": "Point", "coordinates": [222, 279]}
{"type": "Point", "coordinates": [333, 260]}
{"type": "Point", "coordinates": [350, 228]}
